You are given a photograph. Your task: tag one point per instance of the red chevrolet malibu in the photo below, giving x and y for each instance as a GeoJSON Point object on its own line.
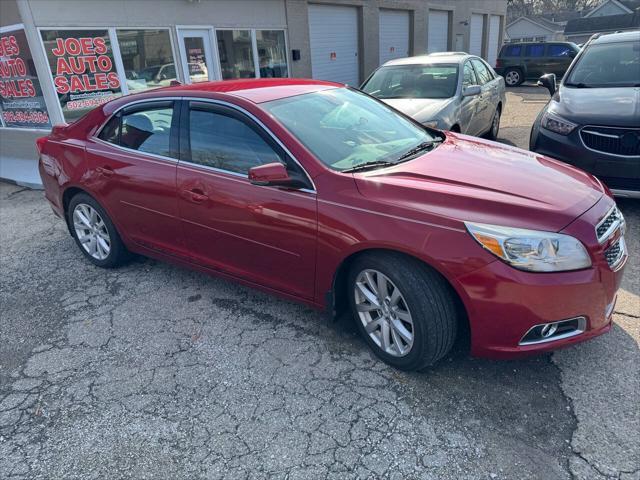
{"type": "Point", "coordinates": [324, 195]}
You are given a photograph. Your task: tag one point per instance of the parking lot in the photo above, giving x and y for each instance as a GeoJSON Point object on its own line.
{"type": "Point", "coordinates": [154, 371]}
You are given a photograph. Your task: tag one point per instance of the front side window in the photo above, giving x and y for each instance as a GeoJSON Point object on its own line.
{"type": "Point", "coordinates": [559, 51]}
{"type": "Point", "coordinates": [484, 75]}
{"type": "Point", "coordinates": [534, 51]}
{"type": "Point", "coordinates": [236, 54]}
{"type": "Point", "coordinates": [225, 142]}
{"type": "Point", "coordinates": [607, 65]}
{"type": "Point", "coordinates": [345, 129]}
{"type": "Point", "coordinates": [414, 81]}
{"type": "Point", "coordinates": [469, 76]}
{"type": "Point", "coordinates": [83, 69]}
{"type": "Point", "coordinates": [147, 58]}
{"type": "Point", "coordinates": [143, 128]}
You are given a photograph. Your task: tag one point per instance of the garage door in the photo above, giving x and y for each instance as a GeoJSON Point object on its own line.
{"type": "Point", "coordinates": [475, 37]}
{"type": "Point", "coordinates": [394, 35]}
{"type": "Point", "coordinates": [438, 31]}
{"type": "Point", "coordinates": [333, 33]}
{"type": "Point", "coordinates": [494, 39]}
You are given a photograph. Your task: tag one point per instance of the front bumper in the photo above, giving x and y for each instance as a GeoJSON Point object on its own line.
{"type": "Point", "coordinates": [620, 173]}
{"type": "Point", "coordinates": [503, 303]}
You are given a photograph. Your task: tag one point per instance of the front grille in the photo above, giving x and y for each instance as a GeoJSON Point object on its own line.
{"type": "Point", "coordinates": [609, 224]}
{"type": "Point", "coordinates": [617, 141]}
{"type": "Point", "coordinates": [615, 253]}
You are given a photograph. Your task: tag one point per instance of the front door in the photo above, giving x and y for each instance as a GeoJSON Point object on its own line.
{"type": "Point", "coordinates": [470, 122]}
{"type": "Point", "coordinates": [196, 54]}
{"type": "Point", "coordinates": [263, 234]}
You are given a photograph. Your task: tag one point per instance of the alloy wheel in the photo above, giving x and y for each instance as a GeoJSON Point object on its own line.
{"type": "Point", "coordinates": [512, 77]}
{"type": "Point", "coordinates": [384, 313]}
{"type": "Point", "coordinates": [91, 231]}
{"type": "Point", "coordinates": [495, 125]}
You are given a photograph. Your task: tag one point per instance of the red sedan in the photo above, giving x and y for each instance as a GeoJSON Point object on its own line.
{"type": "Point", "coordinates": [325, 195]}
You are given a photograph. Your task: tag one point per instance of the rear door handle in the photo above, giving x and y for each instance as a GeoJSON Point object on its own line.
{"type": "Point", "coordinates": [195, 195]}
{"type": "Point", "coordinates": [106, 171]}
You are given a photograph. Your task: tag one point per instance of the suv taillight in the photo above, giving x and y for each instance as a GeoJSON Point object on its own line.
{"type": "Point", "coordinates": [498, 63]}
{"type": "Point", "coordinates": [40, 143]}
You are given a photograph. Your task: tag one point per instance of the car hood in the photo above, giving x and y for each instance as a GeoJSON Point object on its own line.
{"type": "Point", "coordinates": [619, 107]}
{"type": "Point", "coordinates": [470, 179]}
{"type": "Point", "coordinates": [421, 109]}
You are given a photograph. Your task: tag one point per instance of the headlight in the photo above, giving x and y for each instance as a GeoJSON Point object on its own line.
{"type": "Point", "coordinates": [530, 249]}
{"type": "Point", "coordinates": [557, 124]}
{"type": "Point", "coordinates": [431, 124]}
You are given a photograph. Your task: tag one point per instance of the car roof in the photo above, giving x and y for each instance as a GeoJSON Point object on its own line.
{"type": "Point", "coordinates": [433, 58]}
{"type": "Point", "coordinates": [633, 35]}
{"type": "Point", "coordinates": [256, 90]}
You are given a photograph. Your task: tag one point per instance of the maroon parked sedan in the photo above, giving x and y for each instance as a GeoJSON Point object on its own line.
{"type": "Point", "coordinates": [322, 194]}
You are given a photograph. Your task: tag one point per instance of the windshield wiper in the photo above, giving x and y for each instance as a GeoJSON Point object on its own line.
{"type": "Point", "coordinates": [577, 85]}
{"type": "Point", "coordinates": [368, 165]}
{"type": "Point", "coordinates": [423, 146]}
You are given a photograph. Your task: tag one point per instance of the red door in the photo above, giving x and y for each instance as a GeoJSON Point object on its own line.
{"type": "Point", "coordinates": [263, 234]}
{"type": "Point", "coordinates": [133, 167]}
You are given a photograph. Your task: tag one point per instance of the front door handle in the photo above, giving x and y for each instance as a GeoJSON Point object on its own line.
{"type": "Point", "coordinates": [195, 195]}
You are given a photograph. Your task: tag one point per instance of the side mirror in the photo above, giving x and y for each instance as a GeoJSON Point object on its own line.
{"type": "Point", "coordinates": [471, 91]}
{"type": "Point", "coordinates": [548, 81]}
{"type": "Point", "coordinates": [274, 174]}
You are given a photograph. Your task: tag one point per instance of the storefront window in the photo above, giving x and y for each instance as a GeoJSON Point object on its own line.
{"type": "Point", "coordinates": [147, 58]}
{"type": "Point", "coordinates": [84, 73]}
{"type": "Point", "coordinates": [272, 53]}
{"type": "Point", "coordinates": [236, 54]}
{"type": "Point", "coordinates": [21, 102]}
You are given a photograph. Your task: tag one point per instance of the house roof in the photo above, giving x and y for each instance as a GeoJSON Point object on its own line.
{"type": "Point", "coordinates": [626, 21]}
{"type": "Point", "coordinates": [540, 21]}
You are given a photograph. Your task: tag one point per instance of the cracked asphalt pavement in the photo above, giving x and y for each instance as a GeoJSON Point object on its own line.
{"type": "Point", "coordinates": [154, 371]}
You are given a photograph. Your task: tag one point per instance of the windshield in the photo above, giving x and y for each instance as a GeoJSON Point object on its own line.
{"type": "Point", "coordinates": [414, 81]}
{"type": "Point", "coordinates": [607, 65]}
{"type": "Point", "coordinates": [345, 129]}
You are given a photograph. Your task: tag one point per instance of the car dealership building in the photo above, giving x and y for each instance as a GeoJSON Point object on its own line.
{"type": "Point", "coordinates": [60, 58]}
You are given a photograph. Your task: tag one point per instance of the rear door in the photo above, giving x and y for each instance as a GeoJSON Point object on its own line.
{"type": "Point", "coordinates": [133, 165]}
{"type": "Point", "coordinates": [266, 235]}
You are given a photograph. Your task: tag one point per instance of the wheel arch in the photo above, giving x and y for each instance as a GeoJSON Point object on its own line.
{"type": "Point", "coordinates": [338, 303]}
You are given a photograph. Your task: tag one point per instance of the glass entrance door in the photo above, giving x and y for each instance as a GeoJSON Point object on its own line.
{"type": "Point", "coordinates": [197, 58]}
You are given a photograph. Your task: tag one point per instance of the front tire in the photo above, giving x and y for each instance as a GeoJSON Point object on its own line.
{"type": "Point", "coordinates": [94, 232]}
{"type": "Point", "coordinates": [404, 310]}
{"type": "Point", "coordinates": [494, 129]}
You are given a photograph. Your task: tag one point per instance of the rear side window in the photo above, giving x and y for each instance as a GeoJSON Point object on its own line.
{"type": "Point", "coordinates": [559, 51]}
{"type": "Point", "coordinates": [534, 51]}
{"type": "Point", "coordinates": [512, 51]}
{"type": "Point", "coordinates": [222, 141]}
{"type": "Point", "coordinates": [143, 128]}
{"type": "Point", "coordinates": [484, 75]}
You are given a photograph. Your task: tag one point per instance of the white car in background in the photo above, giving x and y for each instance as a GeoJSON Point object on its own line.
{"type": "Point", "coordinates": [449, 91]}
{"type": "Point", "coordinates": [162, 76]}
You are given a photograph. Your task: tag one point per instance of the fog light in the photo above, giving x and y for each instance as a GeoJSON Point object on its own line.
{"type": "Point", "coordinates": [552, 331]}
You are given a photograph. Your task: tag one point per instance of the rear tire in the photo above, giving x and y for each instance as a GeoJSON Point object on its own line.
{"type": "Point", "coordinates": [513, 77]}
{"type": "Point", "coordinates": [94, 232]}
{"type": "Point", "coordinates": [410, 320]}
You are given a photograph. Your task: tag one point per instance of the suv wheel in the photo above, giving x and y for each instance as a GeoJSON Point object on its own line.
{"type": "Point", "coordinates": [403, 310]}
{"type": "Point", "coordinates": [513, 77]}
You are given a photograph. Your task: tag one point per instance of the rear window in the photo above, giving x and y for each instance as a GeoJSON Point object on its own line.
{"type": "Point", "coordinates": [512, 51]}
{"type": "Point", "coordinates": [534, 51]}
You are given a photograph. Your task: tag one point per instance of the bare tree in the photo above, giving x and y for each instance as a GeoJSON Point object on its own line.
{"type": "Point", "coordinates": [520, 8]}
